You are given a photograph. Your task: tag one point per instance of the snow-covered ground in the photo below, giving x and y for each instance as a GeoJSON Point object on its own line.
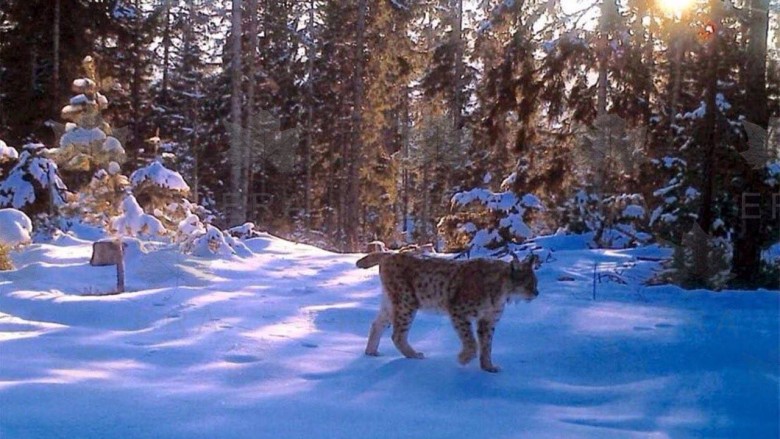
{"type": "Point", "coordinates": [271, 346]}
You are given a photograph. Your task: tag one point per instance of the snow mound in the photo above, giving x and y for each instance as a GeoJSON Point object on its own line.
{"type": "Point", "coordinates": [15, 227]}
{"type": "Point", "coordinates": [159, 175]}
{"type": "Point", "coordinates": [215, 243]}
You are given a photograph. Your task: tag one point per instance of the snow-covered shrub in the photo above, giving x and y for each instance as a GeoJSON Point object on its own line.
{"type": "Point", "coordinates": [8, 156]}
{"type": "Point", "coordinates": [87, 143]}
{"type": "Point", "coordinates": [101, 199]}
{"type": "Point", "coordinates": [33, 183]}
{"type": "Point", "coordinates": [86, 149]}
{"type": "Point", "coordinates": [701, 261]}
{"type": "Point", "coordinates": [5, 258]}
{"type": "Point", "coordinates": [486, 219]}
{"type": "Point", "coordinates": [616, 221]}
{"type": "Point", "coordinates": [15, 228]}
{"type": "Point", "coordinates": [677, 202]}
{"type": "Point", "coordinates": [161, 192]}
{"type": "Point", "coordinates": [134, 222]}
{"type": "Point", "coordinates": [7, 153]}
{"type": "Point", "coordinates": [204, 240]}
{"type": "Point", "coordinates": [209, 241]}
{"type": "Point", "coordinates": [244, 231]}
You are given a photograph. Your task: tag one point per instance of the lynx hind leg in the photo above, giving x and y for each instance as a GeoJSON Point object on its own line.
{"type": "Point", "coordinates": [485, 330]}
{"type": "Point", "coordinates": [378, 327]}
{"type": "Point", "coordinates": [462, 326]}
{"type": "Point", "coordinates": [402, 321]}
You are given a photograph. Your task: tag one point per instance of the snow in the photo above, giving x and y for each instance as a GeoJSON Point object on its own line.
{"type": "Point", "coordinates": [15, 227]}
{"type": "Point", "coordinates": [112, 145]}
{"type": "Point", "coordinates": [81, 99]}
{"type": "Point", "coordinates": [7, 153]}
{"type": "Point", "coordinates": [17, 190]}
{"type": "Point", "coordinates": [159, 175]}
{"type": "Point", "coordinates": [699, 112]}
{"type": "Point", "coordinates": [114, 168]}
{"type": "Point", "coordinates": [633, 211]}
{"type": "Point", "coordinates": [134, 222]}
{"type": "Point", "coordinates": [271, 346]}
{"type": "Point", "coordinates": [82, 137]}
{"type": "Point", "coordinates": [501, 201]}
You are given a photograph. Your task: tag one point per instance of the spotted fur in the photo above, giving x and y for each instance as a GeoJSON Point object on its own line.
{"type": "Point", "coordinates": [471, 290]}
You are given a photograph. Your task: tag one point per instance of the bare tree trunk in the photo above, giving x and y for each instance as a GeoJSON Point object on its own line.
{"type": "Point", "coordinates": [249, 139]}
{"type": "Point", "coordinates": [166, 40]}
{"type": "Point", "coordinates": [56, 48]}
{"type": "Point", "coordinates": [606, 23]}
{"type": "Point", "coordinates": [356, 150]}
{"type": "Point", "coordinates": [405, 125]}
{"type": "Point", "coordinates": [309, 117]}
{"type": "Point", "coordinates": [457, 95]}
{"type": "Point", "coordinates": [708, 137]}
{"type": "Point", "coordinates": [679, 52]}
{"type": "Point", "coordinates": [237, 213]}
{"type": "Point", "coordinates": [747, 246]}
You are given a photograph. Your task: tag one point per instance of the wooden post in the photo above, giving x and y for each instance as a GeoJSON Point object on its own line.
{"type": "Point", "coordinates": [110, 252]}
{"type": "Point", "coordinates": [120, 267]}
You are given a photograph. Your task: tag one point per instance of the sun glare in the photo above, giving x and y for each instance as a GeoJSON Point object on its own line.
{"type": "Point", "coordinates": [676, 7]}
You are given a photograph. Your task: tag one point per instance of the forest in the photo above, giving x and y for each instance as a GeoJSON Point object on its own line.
{"type": "Point", "coordinates": [469, 124]}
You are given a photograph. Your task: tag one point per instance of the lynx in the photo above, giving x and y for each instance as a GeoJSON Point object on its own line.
{"type": "Point", "coordinates": [468, 290]}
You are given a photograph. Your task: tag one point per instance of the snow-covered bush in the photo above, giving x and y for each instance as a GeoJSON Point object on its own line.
{"type": "Point", "coordinates": [134, 222]}
{"type": "Point", "coordinates": [33, 183]}
{"type": "Point", "coordinates": [616, 221]}
{"type": "Point", "coordinates": [244, 231]}
{"type": "Point", "coordinates": [208, 241]}
{"type": "Point", "coordinates": [486, 219]}
{"type": "Point", "coordinates": [161, 192]}
{"type": "Point", "coordinates": [700, 261]}
{"type": "Point", "coordinates": [101, 199]}
{"type": "Point", "coordinates": [677, 202]}
{"type": "Point", "coordinates": [87, 142]}
{"type": "Point", "coordinates": [7, 153]}
{"type": "Point", "coordinates": [5, 258]}
{"type": "Point", "coordinates": [15, 228]}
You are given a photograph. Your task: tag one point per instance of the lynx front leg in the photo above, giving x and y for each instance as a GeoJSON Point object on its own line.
{"type": "Point", "coordinates": [381, 323]}
{"type": "Point", "coordinates": [402, 321]}
{"type": "Point", "coordinates": [485, 329]}
{"type": "Point", "coordinates": [466, 334]}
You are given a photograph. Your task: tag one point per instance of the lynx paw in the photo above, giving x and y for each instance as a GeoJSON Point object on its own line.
{"type": "Point", "coordinates": [416, 356]}
{"type": "Point", "coordinates": [372, 353]}
{"type": "Point", "coordinates": [465, 357]}
{"type": "Point", "coordinates": [491, 368]}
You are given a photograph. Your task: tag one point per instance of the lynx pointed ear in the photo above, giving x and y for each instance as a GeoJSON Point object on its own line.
{"type": "Point", "coordinates": [533, 260]}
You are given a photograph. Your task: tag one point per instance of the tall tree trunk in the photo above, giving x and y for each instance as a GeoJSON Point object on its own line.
{"type": "Point", "coordinates": [237, 212]}
{"type": "Point", "coordinates": [166, 40]}
{"type": "Point", "coordinates": [356, 149]}
{"type": "Point", "coordinates": [251, 124]}
{"type": "Point", "coordinates": [708, 137]}
{"type": "Point", "coordinates": [309, 117]}
{"type": "Point", "coordinates": [606, 24]}
{"type": "Point", "coordinates": [747, 247]}
{"type": "Point", "coordinates": [405, 139]}
{"type": "Point", "coordinates": [457, 92]}
{"type": "Point", "coordinates": [56, 49]}
{"type": "Point", "coordinates": [678, 49]}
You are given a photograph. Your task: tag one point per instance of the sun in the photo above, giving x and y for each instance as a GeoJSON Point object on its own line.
{"type": "Point", "coordinates": [676, 7]}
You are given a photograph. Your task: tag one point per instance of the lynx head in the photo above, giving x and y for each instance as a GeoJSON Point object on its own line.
{"type": "Point", "coordinates": [523, 278]}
